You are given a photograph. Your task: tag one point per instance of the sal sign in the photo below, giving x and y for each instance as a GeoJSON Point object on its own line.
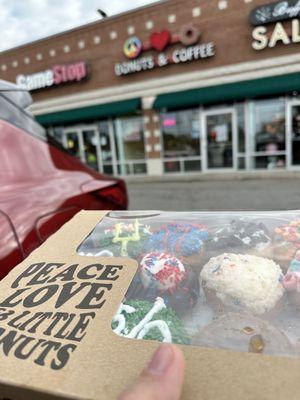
{"type": "Point", "coordinates": [57, 75]}
{"type": "Point", "coordinates": [279, 35]}
{"type": "Point", "coordinates": [276, 34]}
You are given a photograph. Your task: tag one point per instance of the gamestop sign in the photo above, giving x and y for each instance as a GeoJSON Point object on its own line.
{"type": "Point", "coordinates": [57, 75]}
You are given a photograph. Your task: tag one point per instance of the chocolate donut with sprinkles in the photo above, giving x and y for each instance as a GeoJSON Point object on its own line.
{"type": "Point", "coordinates": [241, 235]}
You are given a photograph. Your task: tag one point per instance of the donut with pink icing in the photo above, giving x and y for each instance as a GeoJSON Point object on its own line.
{"type": "Point", "coordinates": [286, 243]}
{"type": "Point", "coordinates": [291, 281]}
{"type": "Point", "coordinates": [290, 232]}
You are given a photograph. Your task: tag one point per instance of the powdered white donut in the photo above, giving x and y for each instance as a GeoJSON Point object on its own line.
{"type": "Point", "coordinates": [244, 280]}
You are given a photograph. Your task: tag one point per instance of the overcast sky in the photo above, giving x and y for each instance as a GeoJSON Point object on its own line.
{"type": "Point", "coordinates": [22, 21]}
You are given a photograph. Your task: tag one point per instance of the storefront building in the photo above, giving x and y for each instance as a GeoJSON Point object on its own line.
{"type": "Point", "coordinates": [177, 87]}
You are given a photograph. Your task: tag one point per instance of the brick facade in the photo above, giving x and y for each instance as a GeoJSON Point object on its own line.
{"type": "Point", "coordinates": [226, 23]}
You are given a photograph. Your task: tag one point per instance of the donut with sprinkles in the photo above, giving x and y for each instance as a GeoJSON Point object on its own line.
{"type": "Point", "coordinates": [162, 271]}
{"type": "Point", "coordinates": [181, 240]}
{"type": "Point", "coordinates": [161, 274]}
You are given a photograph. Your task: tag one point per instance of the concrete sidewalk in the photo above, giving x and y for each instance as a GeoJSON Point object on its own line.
{"type": "Point", "coordinates": [207, 192]}
{"type": "Point", "coordinates": [228, 176]}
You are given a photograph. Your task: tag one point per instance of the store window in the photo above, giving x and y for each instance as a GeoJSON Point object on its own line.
{"type": "Point", "coordinates": [267, 133]}
{"type": "Point", "coordinates": [181, 140]}
{"type": "Point", "coordinates": [130, 146]}
{"type": "Point", "coordinates": [90, 145]}
{"type": "Point", "coordinates": [107, 148]}
{"type": "Point", "coordinates": [72, 143]}
{"type": "Point", "coordinates": [240, 112]}
{"type": "Point", "coordinates": [295, 136]}
{"type": "Point", "coordinates": [57, 133]}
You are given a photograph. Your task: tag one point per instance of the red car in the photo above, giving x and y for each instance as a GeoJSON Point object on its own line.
{"type": "Point", "coordinates": [42, 186]}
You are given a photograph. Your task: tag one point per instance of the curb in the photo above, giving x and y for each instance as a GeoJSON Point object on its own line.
{"type": "Point", "coordinates": [205, 177]}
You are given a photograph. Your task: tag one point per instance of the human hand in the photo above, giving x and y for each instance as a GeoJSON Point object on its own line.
{"type": "Point", "coordinates": [162, 379]}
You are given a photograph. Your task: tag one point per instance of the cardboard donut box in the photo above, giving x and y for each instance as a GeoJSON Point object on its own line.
{"type": "Point", "coordinates": [56, 338]}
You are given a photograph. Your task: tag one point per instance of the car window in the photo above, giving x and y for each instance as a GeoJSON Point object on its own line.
{"type": "Point", "coordinates": [21, 98]}
{"type": "Point", "coordinates": [14, 114]}
{"type": "Point", "coordinates": [10, 112]}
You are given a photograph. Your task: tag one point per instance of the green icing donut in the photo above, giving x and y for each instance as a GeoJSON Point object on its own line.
{"type": "Point", "coordinates": [134, 249]}
{"type": "Point", "coordinates": [135, 311]}
{"type": "Point", "coordinates": [126, 243]}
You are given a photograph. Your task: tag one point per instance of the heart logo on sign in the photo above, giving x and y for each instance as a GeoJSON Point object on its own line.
{"type": "Point", "coordinates": [160, 40]}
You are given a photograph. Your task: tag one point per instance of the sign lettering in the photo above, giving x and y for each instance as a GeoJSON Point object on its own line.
{"type": "Point", "coordinates": [55, 76]}
{"type": "Point", "coordinates": [277, 11]}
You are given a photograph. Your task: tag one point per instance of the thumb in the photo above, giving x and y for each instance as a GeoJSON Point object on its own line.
{"type": "Point", "coordinates": [162, 379]}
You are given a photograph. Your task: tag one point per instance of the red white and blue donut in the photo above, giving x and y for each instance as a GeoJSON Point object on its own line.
{"type": "Point", "coordinates": [161, 271]}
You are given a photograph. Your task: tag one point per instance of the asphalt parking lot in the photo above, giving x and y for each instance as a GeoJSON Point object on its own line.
{"type": "Point", "coordinates": [224, 195]}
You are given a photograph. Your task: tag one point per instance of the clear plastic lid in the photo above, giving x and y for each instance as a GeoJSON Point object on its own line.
{"type": "Point", "coordinates": [218, 280]}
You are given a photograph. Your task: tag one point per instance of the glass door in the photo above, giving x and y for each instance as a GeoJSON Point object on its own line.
{"type": "Point", "coordinates": [107, 148]}
{"type": "Point", "coordinates": [293, 135]}
{"type": "Point", "coordinates": [90, 135]}
{"type": "Point", "coordinates": [93, 145]}
{"type": "Point", "coordinates": [73, 142]}
{"type": "Point", "coordinates": [219, 140]}
{"type": "Point", "coordinates": [130, 146]}
{"type": "Point", "coordinates": [82, 141]}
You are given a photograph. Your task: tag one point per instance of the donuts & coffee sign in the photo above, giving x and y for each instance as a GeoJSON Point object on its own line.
{"type": "Point", "coordinates": [154, 53]}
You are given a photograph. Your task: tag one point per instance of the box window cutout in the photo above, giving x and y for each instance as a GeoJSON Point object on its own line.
{"type": "Point", "coordinates": [218, 280]}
